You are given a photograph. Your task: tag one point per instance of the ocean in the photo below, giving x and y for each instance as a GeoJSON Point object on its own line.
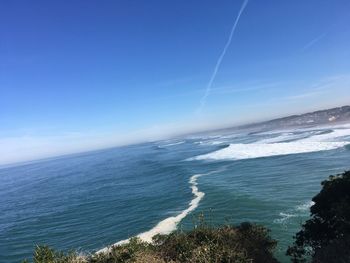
{"type": "Point", "coordinates": [91, 200]}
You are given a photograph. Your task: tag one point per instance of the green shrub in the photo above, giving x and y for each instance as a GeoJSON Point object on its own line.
{"type": "Point", "coordinates": [246, 243]}
{"type": "Point", "coordinates": [326, 236]}
{"type": "Point", "coordinates": [45, 254]}
{"type": "Point", "coordinates": [122, 253]}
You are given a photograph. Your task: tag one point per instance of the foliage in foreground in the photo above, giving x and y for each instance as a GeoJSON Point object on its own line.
{"type": "Point", "coordinates": [204, 244]}
{"type": "Point", "coordinates": [48, 255]}
{"type": "Point", "coordinates": [245, 243]}
{"type": "Point", "coordinates": [325, 238]}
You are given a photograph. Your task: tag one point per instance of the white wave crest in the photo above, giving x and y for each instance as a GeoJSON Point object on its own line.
{"type": "Point", "coordinates": [172, 144]}
{"type": "Point", "coordinates": [169, 224]}
{"type": "Point", "coordinates": [284, 217]}
{"type": "Point", "coordinates": [210, 142]}
{"type": "Point", "coordinates": [297, 211]}
{"type": "Point", "coordinates": [283, 137]}
{"type": "Point", "coordinates": [247, 151]}
{"type": "Point", "coordinates": [304, 207]}
{"type": "Point", "coordinates": [315, 143]}
{"type": "Point", "coordinates": [334, 135]}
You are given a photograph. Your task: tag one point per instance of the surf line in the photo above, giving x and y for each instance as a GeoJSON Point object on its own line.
{"type": "Point", "coordinates": [169, 224]}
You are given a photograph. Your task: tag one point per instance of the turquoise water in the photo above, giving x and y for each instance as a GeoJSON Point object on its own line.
{"type": "Point", "coordinates": [92, 200]}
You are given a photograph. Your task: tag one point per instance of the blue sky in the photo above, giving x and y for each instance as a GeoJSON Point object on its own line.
{"type": "Point", "coordinates": [81, 75]}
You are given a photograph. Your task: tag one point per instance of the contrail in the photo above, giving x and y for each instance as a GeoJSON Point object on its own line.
{"type": "Point", "coordinates": [218, 63]}
{"type": "Point", "coordinates": [313, 42]}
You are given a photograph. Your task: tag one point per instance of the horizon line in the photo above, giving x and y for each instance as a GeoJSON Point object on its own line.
{"type": "Point", "coordinates": [98, 149]}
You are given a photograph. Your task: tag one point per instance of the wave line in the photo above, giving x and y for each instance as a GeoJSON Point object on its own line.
{"type": "Point", "coordinates": [169, 224]}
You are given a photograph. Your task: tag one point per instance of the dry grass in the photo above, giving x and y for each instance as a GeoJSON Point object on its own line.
{"type": "Point", "coordinates": [246, 243]}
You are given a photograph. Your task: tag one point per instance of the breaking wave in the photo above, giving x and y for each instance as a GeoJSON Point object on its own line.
{"type": "Point", "coordinates": [247, 151]}
{"type": "Point", "coordinates": [315, 143]}
{"type": "Point", "coordinates": [297, 211]}
{"type": "Point", "coordinates": [305, 207]}
{"type": "Point", "coordinates": [172, 144]}
{"type": "Point", "coordinates": [284, 217]}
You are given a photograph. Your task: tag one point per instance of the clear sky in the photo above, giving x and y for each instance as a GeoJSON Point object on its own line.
{"type": "Point", "coordinates": [81, 75]}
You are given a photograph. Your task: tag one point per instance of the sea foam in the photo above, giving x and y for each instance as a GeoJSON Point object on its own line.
{"type": "Point", "coordinates": [334, 135]}
{"type": "Point", "coordinates": [169, 224]}
{"type": "Point", "coordinates": [256, 150]}
{"type": "Point", "coordinates": [315, 143]}
{"type": "Point", "coordinates": [298, 211]}
{"type": "Point", "coordinates": [284, 137]}
{"type": "Point", "coordinates": [305, 207]}
{"type": "Point", "coordinates": [172, 144]}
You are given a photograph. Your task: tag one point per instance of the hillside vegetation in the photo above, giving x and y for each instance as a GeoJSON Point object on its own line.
{"type": "Point", "coordinates": [325, 237]}
{"type": "Point", "coordinates": [244, 243]}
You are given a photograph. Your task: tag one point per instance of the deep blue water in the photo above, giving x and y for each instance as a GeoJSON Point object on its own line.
{"type": "Point", "coordinates": [92, 200]}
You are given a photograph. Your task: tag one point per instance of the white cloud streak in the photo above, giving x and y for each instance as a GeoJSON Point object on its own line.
{"type": "Point", "coordinates": [313, 42]}
{"type": "Point", "coordinates": [218, 63]}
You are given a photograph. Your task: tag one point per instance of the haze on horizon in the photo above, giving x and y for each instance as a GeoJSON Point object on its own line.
{"type": "Point", "coordinates": [85, 75]}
